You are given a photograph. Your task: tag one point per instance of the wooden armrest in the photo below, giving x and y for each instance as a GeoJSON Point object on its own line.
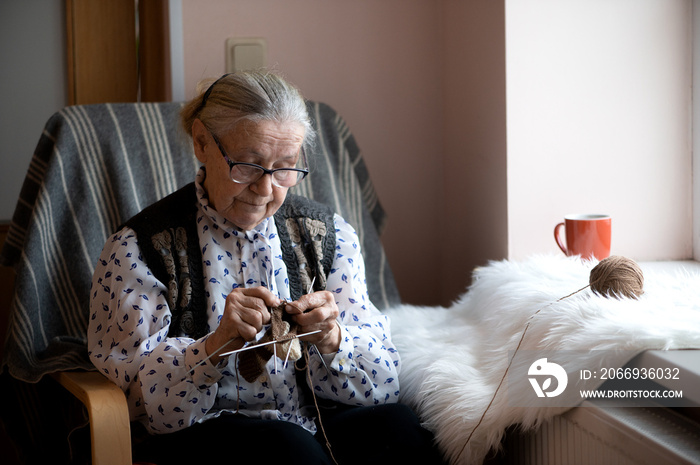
{"type": "Point", "coordinates": [108, 413]}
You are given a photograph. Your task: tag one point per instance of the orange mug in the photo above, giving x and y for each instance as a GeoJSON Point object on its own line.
{"type": "Point", "coordinates": [586, 235]}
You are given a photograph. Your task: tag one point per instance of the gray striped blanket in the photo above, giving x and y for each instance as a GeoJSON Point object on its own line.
{"type": "Point", "coordinates": [97, 165]}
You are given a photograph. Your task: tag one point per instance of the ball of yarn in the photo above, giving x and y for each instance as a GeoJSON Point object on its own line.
{"type": "Point", "coordinates": [617, 276]}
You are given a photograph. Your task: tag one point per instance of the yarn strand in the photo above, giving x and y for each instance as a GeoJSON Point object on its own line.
{"type": "Point", "coordinates": [318, 409]}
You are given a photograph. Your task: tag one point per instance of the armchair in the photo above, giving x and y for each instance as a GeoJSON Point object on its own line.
{"type": "Point", "coordinates": [94, 167]}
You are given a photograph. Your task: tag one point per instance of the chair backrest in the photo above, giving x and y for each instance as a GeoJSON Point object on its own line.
{"type": "Point", "coordinates": [95, 166]}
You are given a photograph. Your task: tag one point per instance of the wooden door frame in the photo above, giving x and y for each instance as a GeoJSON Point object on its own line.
{"type": "Point", "coordinates": [105, 62]}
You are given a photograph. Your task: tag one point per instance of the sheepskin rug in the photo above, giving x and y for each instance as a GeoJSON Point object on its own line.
{"type": "Point", "coordinates": [453, 359]}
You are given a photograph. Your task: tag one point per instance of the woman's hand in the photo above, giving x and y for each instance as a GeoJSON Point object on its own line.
{"type": "Point", "coordinates": [317, 311]}
{"type": "Point", "coordinates": [245, 313]}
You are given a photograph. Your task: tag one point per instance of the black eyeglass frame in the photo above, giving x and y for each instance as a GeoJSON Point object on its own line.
{"type": "Point", "coordinates": [300, 177]}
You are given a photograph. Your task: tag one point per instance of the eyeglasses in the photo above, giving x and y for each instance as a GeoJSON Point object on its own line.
{"type": "Point", "coordinates": [247, 173]}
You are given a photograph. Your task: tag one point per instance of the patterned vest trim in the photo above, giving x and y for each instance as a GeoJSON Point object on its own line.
{"type": "Point", "coordinates": [169, 245]}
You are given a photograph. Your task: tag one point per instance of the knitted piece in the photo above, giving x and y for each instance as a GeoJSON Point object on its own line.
{"type": "Point", "coordinates": [251, 363]}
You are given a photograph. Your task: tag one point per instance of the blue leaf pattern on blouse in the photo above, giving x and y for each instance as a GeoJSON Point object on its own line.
{"type": "Point", "coordinates": [129, 321]}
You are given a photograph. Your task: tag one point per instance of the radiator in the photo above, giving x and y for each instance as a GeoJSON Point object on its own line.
{"type": "Point", "coordinates": [599, 434]}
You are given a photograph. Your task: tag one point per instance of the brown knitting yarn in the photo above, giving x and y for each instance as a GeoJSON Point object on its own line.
{"type": "Point", "coordinates": [617, 276]}
{"type": "Point", "coordinates": [251, 363]}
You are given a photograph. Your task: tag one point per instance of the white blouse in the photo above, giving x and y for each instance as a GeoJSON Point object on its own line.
{"type": "Point", "coordinates": [167, 384]}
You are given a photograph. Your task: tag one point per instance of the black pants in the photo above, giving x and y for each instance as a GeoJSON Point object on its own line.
{"type": "Point", "coordinates": [383, 434]}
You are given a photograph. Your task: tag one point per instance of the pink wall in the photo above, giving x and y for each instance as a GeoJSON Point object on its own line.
{"type": "Point", "coordinates": [378, 63]}
{"type": "Point", "coordinates": [474, 187]}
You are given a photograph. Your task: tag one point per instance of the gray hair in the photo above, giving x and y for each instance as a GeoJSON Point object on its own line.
{"type": "Point", "coordinates": [246, 96]}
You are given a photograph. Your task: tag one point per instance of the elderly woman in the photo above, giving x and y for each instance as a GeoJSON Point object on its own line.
{"type": "Point", "coordinates": [232, 261]}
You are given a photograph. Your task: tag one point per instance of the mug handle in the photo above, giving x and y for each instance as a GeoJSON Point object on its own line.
{"type": "Point", "coordinates": [557, 237]}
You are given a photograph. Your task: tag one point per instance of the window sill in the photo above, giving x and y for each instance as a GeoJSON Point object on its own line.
{"type": "Point", "coordinates": [688, 360]}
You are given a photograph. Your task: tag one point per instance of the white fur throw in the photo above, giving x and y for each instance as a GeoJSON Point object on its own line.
{"type": "Point", "coordinates": [454, 358]}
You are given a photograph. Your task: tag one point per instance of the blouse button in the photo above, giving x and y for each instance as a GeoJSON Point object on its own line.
{"type": "Point", "coordinates": [263, 379]}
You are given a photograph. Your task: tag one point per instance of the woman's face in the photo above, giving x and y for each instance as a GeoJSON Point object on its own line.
{"type": "Point", "coordinates": [268, 144]}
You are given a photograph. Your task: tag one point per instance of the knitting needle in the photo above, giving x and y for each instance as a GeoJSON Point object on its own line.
{"type": "Point", "coordinates": [274, 355]}
{"type": "Point", "coordinates": [311, 288]}
{"type": "Point", "coordinates": [210, 356]}
{"type": "Point", "coordinates": [289, 351]}
{"type": "Point", "coordinates": [279, 341]}
{"type": "Point", "coordinates": [251, 346]}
